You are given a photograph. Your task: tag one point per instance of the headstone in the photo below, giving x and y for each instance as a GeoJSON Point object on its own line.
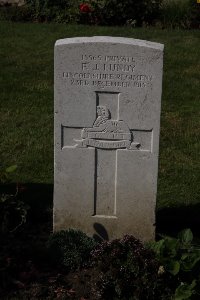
{"type": "Point", "coordinates": [107, 122]}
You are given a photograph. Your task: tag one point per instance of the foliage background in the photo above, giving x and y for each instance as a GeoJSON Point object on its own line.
{"type": "Point", "coordinates": [161, 13]}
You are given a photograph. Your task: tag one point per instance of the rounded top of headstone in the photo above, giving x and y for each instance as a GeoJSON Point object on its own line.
{"type": "Point", "coordinates": [111, 40]}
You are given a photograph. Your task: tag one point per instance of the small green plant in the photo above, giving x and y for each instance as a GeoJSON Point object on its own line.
{"type": "Point", "coordinates": [13, 211]}
{"type": "Point", "coordinates": [5, 174]}
{"type": "Point", "coordinates": [181, 259]}
{"type": "Point", "coordinates": [70, 248]}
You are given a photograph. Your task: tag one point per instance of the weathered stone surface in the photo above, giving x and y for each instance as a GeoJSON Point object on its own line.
{"type": "Point", "coordinates": [107, 122]}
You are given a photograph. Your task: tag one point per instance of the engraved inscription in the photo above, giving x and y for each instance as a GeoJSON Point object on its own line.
{"type": "Point", "coordinates": [111, 58]}
{"type": "Point", "coordinates": [107, 133]}
{"type": "Point", "coordinates": [108, 71]}
{"type": "Point", "coordinates": [105, 144]}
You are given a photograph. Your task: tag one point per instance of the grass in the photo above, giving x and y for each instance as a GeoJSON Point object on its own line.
{"type": "Point", "coordinates": [26, 114]}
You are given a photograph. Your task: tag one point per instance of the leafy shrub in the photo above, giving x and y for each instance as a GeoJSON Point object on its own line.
{"type": "Point", "coordinates": [170, 13]}
{"type": "Point", "coordinates": [64, 11]}
{"type": "Point", "coordinates": [49, 10]}
{"type": "Point", "coordinates": [114, 12]}
{"type": "Point", "coordinates": [180, 13]}
{"type": "Point", "coordinates": [70, 248]}
{"type": "Point", "coordinates": [15, 13]}
{"type": "Point", "coordinates": [88, 14]}
{"type": "Point", "coordinates": [104, 12]}
{"type": "Point", "coordinates": [181, 259]}
{"type": "Point", "coordinates": [127, 270]}
{"type": "Point", "coordinates": [174, 12]}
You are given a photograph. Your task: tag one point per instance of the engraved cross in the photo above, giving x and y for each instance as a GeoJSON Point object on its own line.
{"type": "Point", "coordinates": [107, 135]}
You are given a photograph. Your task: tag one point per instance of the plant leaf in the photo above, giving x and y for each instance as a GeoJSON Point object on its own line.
{"type": "Point", "coordinates": [171, 247]}
{"type": "Point", "coordinates": [157, 246]}
{"type": "Point", "coordinates": [11, 169]}
{"type": "Point", "coordinates": [185, 291]}
{"type": "Point", "coordinates": [185, 236]}
{"type": "Point", "coordinates": [173, 267]}
{"type": "Point", "coordinates": [188, 263]}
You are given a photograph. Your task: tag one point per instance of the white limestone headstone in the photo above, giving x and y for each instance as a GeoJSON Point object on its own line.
{"type": "Point", "coordinates": [107, 123]}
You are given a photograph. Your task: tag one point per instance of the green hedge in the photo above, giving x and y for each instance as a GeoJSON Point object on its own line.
{"type": "Point", "coordinates": [166, 13]}
{"type": "Point", "coordinates": [180, 13]}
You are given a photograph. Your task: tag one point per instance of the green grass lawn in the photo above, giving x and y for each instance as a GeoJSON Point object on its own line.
{"type": "Point", "coordinates": [26, 100]}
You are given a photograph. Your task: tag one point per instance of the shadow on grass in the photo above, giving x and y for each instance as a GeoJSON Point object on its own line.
{"type": "Point", "coordinates": [39, 197]}
{"type": "Point", "coordinates": [172, 220]}
{"type": "Point", "coordinates": [168, 220]}
{"type": "Point", "coordinates": [29, 240]}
